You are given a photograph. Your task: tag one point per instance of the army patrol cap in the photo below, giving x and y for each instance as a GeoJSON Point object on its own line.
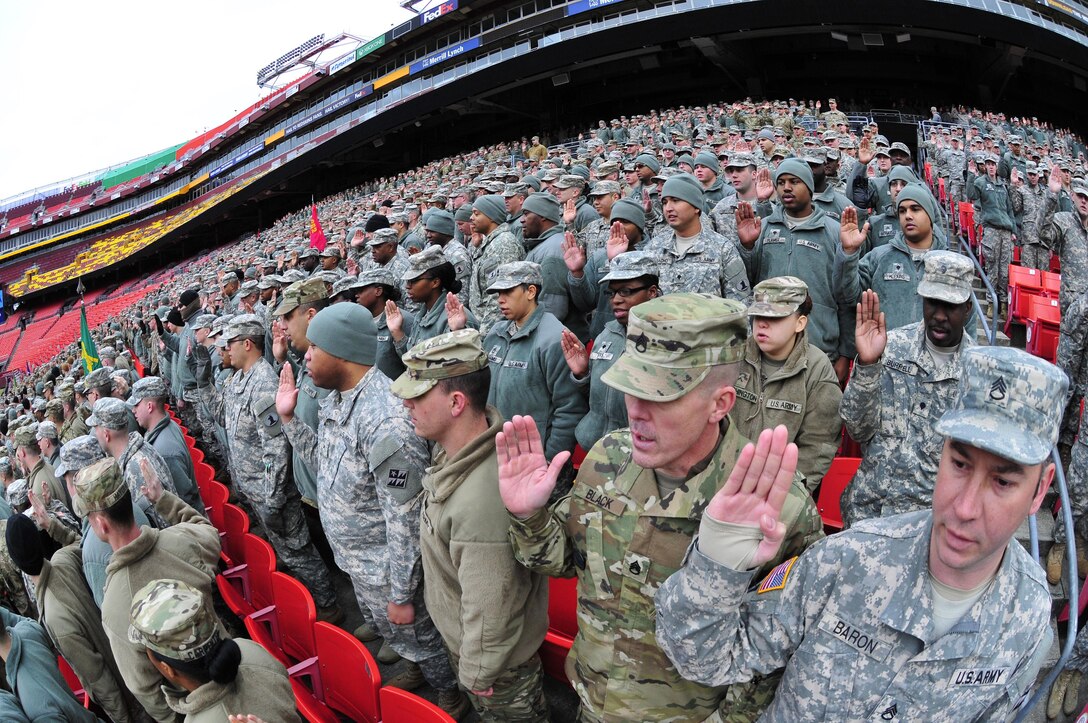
{"type": "Point", "coordinates": [109, 412]}
{"type": "Point", "coordinates": [603, 188]}
{"type": "Point", "coordinates": [170, 618]}
{"type": "Point", "coordinates": [778, 297]}
{"type": "Point", "coordinates": [673, 341]}
{"type": "Point", "coordinates": [331, 252]}
{"type": "Point", "coordinates": [817, 156]}
{"type": "Point", "coordinates": [741, 160]}
{"type": "Point", "coordinates": [901, 147]}
{"type": "Point", "coordinates": [46, 430]}
{"type": "Point", "coordinates": [299, 293]}
{"type": "Point", "coordinates": [607, 168]}
{"type": "Point", "coordinates": [514, 274]}
{"type": "Point", "coordinates": [247, 289]}
{"type": "Point", "coordinates": [1031, 167]}
{"type": "Point", "coordinates": [631, 265]}
{"type": "Point", "coordinates": [452, 354]}
{"type": "Point", "coordinates": [292, 275]}
{"type": "Point", "coordinates": [147, 388]}
{"type": "Point", "coordinates": [570, 181]}
{"type": "Point", "coordinates": [98, 487]}
{"type": "Point", "coordinates": [26, 435]}
{"type": "Point", "coordinates": [947, 277]}
{"type": "Point", "coordinates": [882, 151]}
{"type": "Point", "coordinates": [427, 259]}
{"type": "Point", "coordinates": [1010, 404]}
{"type": "Point", "coordinates": [5, 463]}
{"type": "Point", "coordinates": [83, 451]}
{"type": "Point", "coordinates": [347, 283]}
{"type": "Point", "coordinates": [19, 492]}
{"type": "Point", "coordinates": [203, 321]}
{"type": "Point", "coordinates": [100, 377]}
{"type": "Point", "coordinates": [219, 325]}
{"type": "Point", "coordinates": [54, 406]}
{"type": "Point", "coordinates": [382, 236]}
{"type": "Point", "coordinates": [242, 326]}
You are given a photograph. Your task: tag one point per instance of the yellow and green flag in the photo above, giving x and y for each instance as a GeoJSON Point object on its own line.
{"type": "Point", "coordinates": [86, 344]}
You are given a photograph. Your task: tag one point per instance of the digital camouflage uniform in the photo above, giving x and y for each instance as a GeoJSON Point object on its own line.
{"type": "Point", "coordinates": [711, 265]}
{"type": "Point", "coordinates": [497, 248]}
{"type": "Point", "coordinates": [461, 258]}
{"type": "Point", "coordinates": [998, 226]}
{"type": "Point", "coordinates": [370, 466]}
{"type": "Point", "coordinates": [1073, 360]}
{"type": "Point", "coordinates": [259, 469]}
{"type": "Point", "coordinates": [890, 407]}
{"type": "Point", "coordinates": [1026, 201]}
{"type": "Point", "coordinates": [851, 620]}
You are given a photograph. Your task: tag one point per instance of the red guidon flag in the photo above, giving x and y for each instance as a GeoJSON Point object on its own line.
{"type": "Point", "coordinates": [317, 236]}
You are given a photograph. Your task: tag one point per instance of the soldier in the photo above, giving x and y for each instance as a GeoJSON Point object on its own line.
{"type": "Point", "coordinates": [148, 403]}
{"type": "Point", "coordinates": [635, 508]}
{"type": "Point", "coordinates": [515, 195]}
{"type": "Point", "coordinates": [631, 279]}
{"type": "Point", "coordinates": [570, 192]}
{"type": "Point", "coordinates": [497, 246]}
{"type": "Point", "coordinates": [893, 270]}
{"type": "Point", "coordinates": [1063, 232]}
{"type": "Point", "coordinates": [824, 196]}
{"type": "Point", "coordinates": [30, 668]}
{"type": "Point", "coordinates": [785, 380]}
{"type": "Point", "coordinates": [932, 615]}
{"type": "Point", "coordinates": [46, 435]}
{"type": "Point", "coordinates": [594, 235]}
{"type": "Point", "coordinates": [439, 226]}
{"type": "Point", "coordinates": [798, 239]}
{"type": "Point", "coordinates": [749, 185]}
{"type": "Point", "coordinates": [188, 551]}
{"type": "Point", "coordinates": [528, 373]}
{"type": "Point", "coordinates": [543, 242]}
{"type": "Point", "coordinates": [370, 465]}
{"type": "Point", "coordinates": [692, 256]}
{"type": "Point", "coordinates": [259, 460]}
{"type": "Point", "coordinates": [70, 616]}
{"type": "Point", "coordinates": [708, 170]}
{"type": "Point", "coordinates": [996, 217]}
{"type": "Point", "coordinates": [902, 383]}
{"type": "Point", "coordinates": [432, 283]}
{"type": "Point", "coordinates": [833, 116]}
{"type": "Point", "coordinates": [109, 423]}
{"type": "Point", "coordinates": [210, 676]}
{"type": "Point", "coordinates": [74, 426]}
{"type": "Point", "coordinates": [1027, 199]}
{"type": "Point", "coordinates": [39, 472]}
{"type": "Point", "coordinates": [492, 639]}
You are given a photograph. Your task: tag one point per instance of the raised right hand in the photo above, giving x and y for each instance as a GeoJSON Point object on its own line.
{"type": "Point", "coordinates": [526, 480]}
{"type": "Point", "coordinates": [870, 332]}
{"type": "Point", "coordinates": [575, 353]}
{"type": "Point", "coordinates": [850, 236]}
{"type": "Point", "coordinates": [748, 224]}
{"type": "Point", "coordinates": [574, 256]}
{"type": "Point", "coordinates": [286, 394]}
{"type": "Point", "coordinates": [1055, 182]}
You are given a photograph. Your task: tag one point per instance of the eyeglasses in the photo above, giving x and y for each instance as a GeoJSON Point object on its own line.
{"type": "Point", "coordinates": [624, 292]}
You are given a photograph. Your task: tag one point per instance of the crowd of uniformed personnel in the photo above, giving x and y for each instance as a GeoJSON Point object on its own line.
{"type": "Point", "coordinates": [629, 360]}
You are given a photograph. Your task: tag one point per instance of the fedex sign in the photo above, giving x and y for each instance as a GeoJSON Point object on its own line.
{"type": "Point", "coordinates": [434, 13]}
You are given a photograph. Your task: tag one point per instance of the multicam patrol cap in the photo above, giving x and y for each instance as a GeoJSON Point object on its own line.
{"type": "Point", "coordinates": [947, 277]}
{"type": "Point", "coordinates": [515, 273]}
{"type": "Point", "coordinates": [1010, 404]}
{"type": "Point", "coordinates": [453, 354]}
{"type": "Point", "coordinates": [170, 618]}
{"type": "Point", "coordinates": [98, 487]}
{"type": "Point", "coordinates": [631, 265]}
{"type": "Point", "coordinates": [429, 258]}
{"type": "Point", "coordinates": [778, 297]}
{"type": "Point", "coordinates": [299, 293]}
{"type": "Point", "coordinates": [26, 435]}
{"type": "Point", "coordinates": [77, 453]}
{"type": "Point", "coordinates": [109, 412]}
{"type": "Point", "coordinates": [673, 341]}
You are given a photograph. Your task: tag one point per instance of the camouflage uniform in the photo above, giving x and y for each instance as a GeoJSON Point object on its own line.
{"type": "Point", "coordinates": [1026, 201]}
{"type": "Point", "coordinates": [851, 620]}
{"type": "Point", "coordinates": [594, 235]}
{"type": "Point", "coordinates": [710, 266]}
{"type": "Point", "coordinates": [497, 248]}
{"type": "Point", "coordinates": [1063, 232]}
{"type": "Point", "coordinates": [259, 457]}
{"type": "Point", "coordinates": [1073, 360]}
{"type": "Point", "coordinates": [73, 427]}
{"type": "Point", "coordinates": [998, 226]}
{"type": "Point", "coordinates": [370, 466]}
{"type": "Point", "coordinates": [456, 253]}
{"type": "Point", "coordinates": [622, 540]}
{"type": "Point", "coordinates": [890, 407]}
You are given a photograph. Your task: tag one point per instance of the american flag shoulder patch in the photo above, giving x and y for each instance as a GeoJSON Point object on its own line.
{"type": "Point", "coordinates": [776, 578]}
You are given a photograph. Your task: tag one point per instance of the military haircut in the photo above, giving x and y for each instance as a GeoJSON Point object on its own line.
{"type": "Point", "coordinates": [720, 375]}
{"type": "Point", "coordinates": [120, 512]}
{"type": "Point", "coordinates": [475, 386]}
{"type": "Point", "coordinates": [316, 305]}
{"type": "Point", "coordinates": [220, 664]}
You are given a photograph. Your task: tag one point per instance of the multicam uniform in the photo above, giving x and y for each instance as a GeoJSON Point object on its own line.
{"type": "Point", "coordinates": [622, 542]}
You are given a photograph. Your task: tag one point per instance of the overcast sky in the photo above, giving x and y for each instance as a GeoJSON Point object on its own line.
{"type": "Point", "coordinates": [90, 85]}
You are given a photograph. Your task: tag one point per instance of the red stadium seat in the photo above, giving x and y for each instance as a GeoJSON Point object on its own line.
{"type": "Point", "coordinates": [400, 706]}
{"type": "Point", "coordinates": [247, 587]}
{"type": "Point", "coordinates": [342, 678]}
{"type": "Point", "coordinates": [235, 526]}
{"type": "Point", "coordinates": [833, 485]}
{"type": "Point", "coordinates": [286, 627]}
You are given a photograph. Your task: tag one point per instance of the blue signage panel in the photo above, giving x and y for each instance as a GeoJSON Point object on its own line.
{"type": "Point", "coordinates": [581, 6]}
{"type": "Point", "coordinates": [443, 55]}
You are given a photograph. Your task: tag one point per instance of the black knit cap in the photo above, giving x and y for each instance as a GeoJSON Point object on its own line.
{"type": "Point", "coordinates": [24, 544]}
{"type": "Point", "coordinates": [376, 222]}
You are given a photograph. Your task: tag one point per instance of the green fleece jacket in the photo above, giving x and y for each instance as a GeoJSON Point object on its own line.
{"type": "Point", "coordinates": [492, 612]}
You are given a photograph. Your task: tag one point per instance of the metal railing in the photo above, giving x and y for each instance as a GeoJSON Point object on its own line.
{"type": "Point", "coordinates": [990, 329]}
